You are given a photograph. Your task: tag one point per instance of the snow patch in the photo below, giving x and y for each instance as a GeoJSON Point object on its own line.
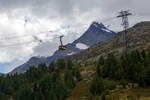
{"type": "Point", "coordinates": [81, 46]}
{"type": "Point", "coordinates": [95, 25]}
{"type": "Point", "coordinates": [71, 53]}
{"type": "Point", "coordinates": [106, 30]}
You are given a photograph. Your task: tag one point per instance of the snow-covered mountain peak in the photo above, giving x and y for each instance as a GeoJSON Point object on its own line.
{"type": "Point", "coordinates": [98, 25]}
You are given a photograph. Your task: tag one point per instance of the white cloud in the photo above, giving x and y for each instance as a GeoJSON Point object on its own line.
{"type": "Point", "coordinates": [14, 36]}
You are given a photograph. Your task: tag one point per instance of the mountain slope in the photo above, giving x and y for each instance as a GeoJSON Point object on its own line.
{"type": "Point", "coordinates": [138, 38]}
{"type": "Point", "coordinates": [96, 33]}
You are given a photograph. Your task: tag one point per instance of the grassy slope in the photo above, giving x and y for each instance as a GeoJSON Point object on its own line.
{"type": "Point", "coordinates": [81, 91]}
{"type": "Point", "coordinates": [146, 98]}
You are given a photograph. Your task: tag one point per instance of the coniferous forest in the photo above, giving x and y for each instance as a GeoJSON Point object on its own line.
{"type": "Point", "coordinates": [132, 68]}
{"type": "Point", "coordinates": [56, 81]}
{"type": "Point", "coordinates": [41, 83]}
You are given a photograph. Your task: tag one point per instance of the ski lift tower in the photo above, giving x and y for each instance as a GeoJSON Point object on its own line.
{"type": "Point", "coordinates": [125, 23]}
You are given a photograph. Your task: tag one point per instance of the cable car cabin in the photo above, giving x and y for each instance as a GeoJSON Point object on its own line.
{"type": "Point", "coordinates": [62, 48]}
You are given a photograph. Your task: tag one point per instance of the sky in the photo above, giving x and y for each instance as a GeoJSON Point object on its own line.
{"type": "Point", "coordinates": [32, 27]}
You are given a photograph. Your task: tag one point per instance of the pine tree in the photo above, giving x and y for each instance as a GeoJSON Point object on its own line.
{"type": "Point", "coordinates": [97, 86]}
{"type": "Point", "coordinates": [51, 67]}
{"type": "Point", "coordinates": [24, 93]}
{"type": "Point", "coordinates": [98, 71]}
{"type": "Point", "coordinates": [69, 79]}
{"type": "Point", "coordinates": [76, 73]}
{"type": "Point", "coordinates": [61, 64]}
{"type": "Point", "coordinates": [3, 96]}
{"type": "Point", "coordinates": [101, 61]}
{"type": "Point", "coordinates": [110, 67]}
{"type": "Point", "coordinates": [69, 64]}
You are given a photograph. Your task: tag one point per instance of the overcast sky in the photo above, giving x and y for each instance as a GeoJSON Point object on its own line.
{"type": "Point", "coordinates": [24, 22]}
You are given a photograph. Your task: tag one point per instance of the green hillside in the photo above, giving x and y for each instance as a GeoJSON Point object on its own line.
{"type": "Point", "coordinates": [113, 78]}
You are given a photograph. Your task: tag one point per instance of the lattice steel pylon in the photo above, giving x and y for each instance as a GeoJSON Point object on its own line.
{"type": "Point", "coordinates": [125, 23]}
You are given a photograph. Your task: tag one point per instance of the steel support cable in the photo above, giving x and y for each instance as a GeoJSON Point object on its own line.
{"type": "Point", "coordinates": [21, 36]}
{"type": "Point", "coordinates": [17, 44]}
